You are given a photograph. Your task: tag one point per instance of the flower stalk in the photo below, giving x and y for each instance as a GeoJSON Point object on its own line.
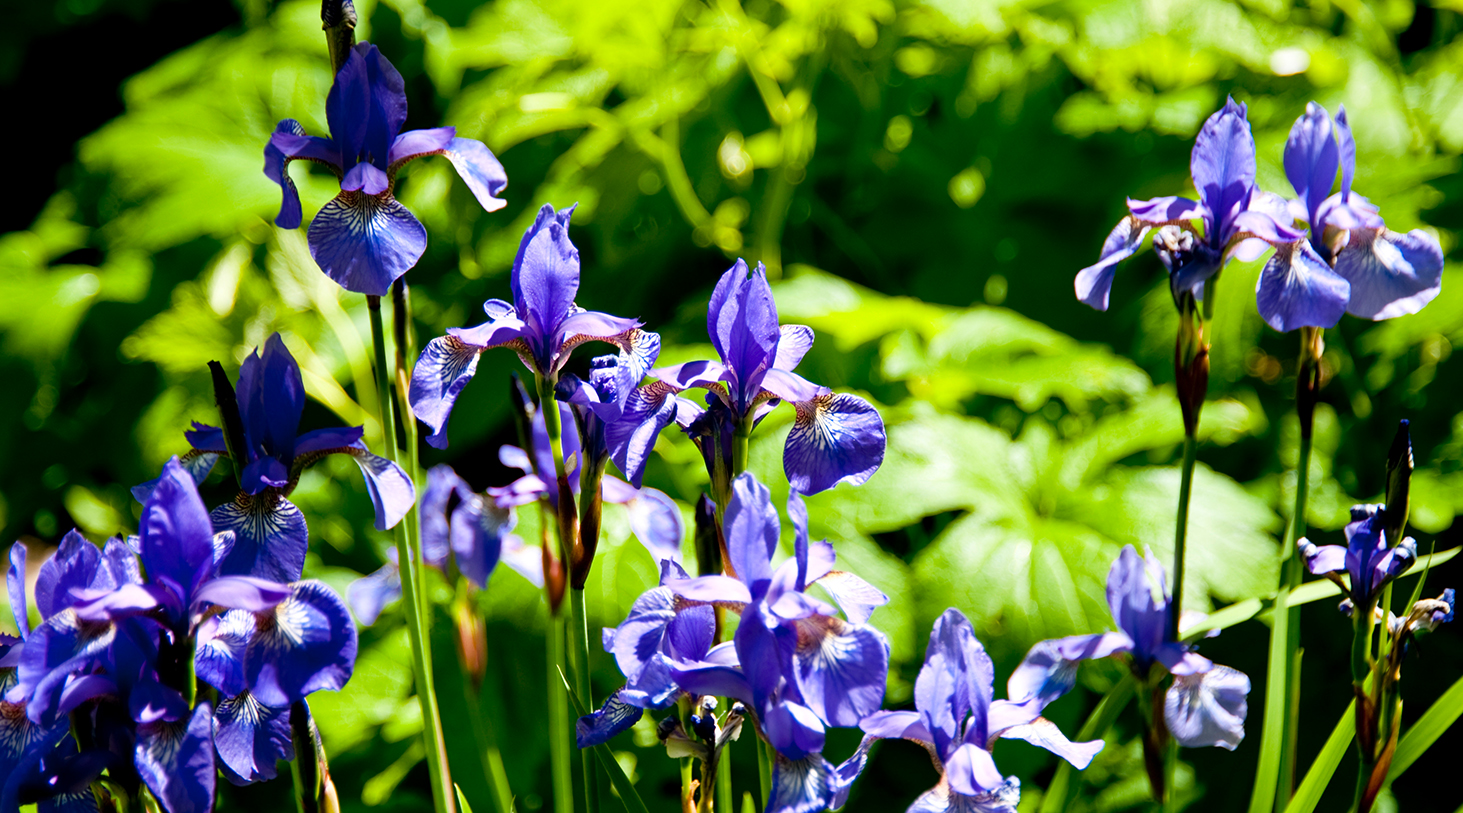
{"type": "Point", "coordinates": [1191, 372]}
{"type": "Point", "coordinates": [409, 559]}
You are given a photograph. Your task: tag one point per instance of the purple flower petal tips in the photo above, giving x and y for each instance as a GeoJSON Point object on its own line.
{"type": "Point", "coordinates": [610, 719]}
{"type": "Point", "coordinates": [1312, 158]}
{"type": "Point", "coordinates": [304, 644]}
{"type": "Point", "coordinates": [364, 239]}
{"type": "Point", "coordinates": [836, 438]}
{"type": "Point", "coordinates": [250, 738]}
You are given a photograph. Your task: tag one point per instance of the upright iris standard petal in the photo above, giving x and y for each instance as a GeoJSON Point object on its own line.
{"type": "Point", "coordinates": [15, 586]}
{"type": "Point", "coordinates": [76, 565]}
{"type": "Point", "coordinates": [250, 738]}
{"type": "Point", "coordinates": [752, 529]}
{"type": "Point", "coordinates": [1223, 166]}
{"type": "Point", "coordinates": [1207, 708]}
{"type": "Point", "coordinates": [1311, 159]}
{"type": "Point", "coordinates": [1298, 289]}
{"type": "Point", "coordinates": [742, 322]}
{"type": "Point", "coordinates": [305, 644]}
{"type": "Point", "coordinates": [270, 536]}
{"type": "Point", "coordinates": [1391, 274]}
{"type": "Point", "coordinates": [177, 535]}
{"type": "Point", "coordinates": [546, 278]}
{"type": "Point", "coordinates": [836, 438]}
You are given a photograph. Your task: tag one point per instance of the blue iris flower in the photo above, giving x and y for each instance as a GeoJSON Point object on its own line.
{"type": "Point", "coordinates": [270, 536]}
{"type": "Point", "coordinates": [958, 720]}
{"type": "Point", "coordinates": [1237, 218]}
{"type": "Point", "coordinates": [1206, 703]}
{"type": "Point", "coordinates": [836, 437]}
{"type": "Point", "coordinates": [795, 664]}
{"type": "Point", "coordinates": [364, 239]}
{"type": "Point", "coordinates": [542, 324]}
{"type": "Point", "coordinates": [1368, 558]}
{"type": "Point", "coordinates": [1350, 262]}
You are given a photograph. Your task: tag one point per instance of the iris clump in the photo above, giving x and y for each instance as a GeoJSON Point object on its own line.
{"type": "Point", "coordinates": [124, 631]}
{"type": "Point", "coordinates": [364, 239]}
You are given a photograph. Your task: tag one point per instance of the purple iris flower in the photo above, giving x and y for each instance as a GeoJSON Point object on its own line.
{"type": "Point", "coordinates": [270, 536]}
{"type": "Point", "coordinates": [836, 437]}
{"type": "Point", "coordinates": [542, 324]}
{"type": "Point", "coordinates": [1206, 703]}
{"type": "Point", "coordinates": [1238, 219]}
{"type": "Point", "coordinates": [1378, 274]}
{"type": "Point", "coordinates": [459, 526]}
{"type": "Point", "coordinates": [1368, 558]}
{"type": "Point", "coordinates": [617, 418]}
{"type": "Point", "coordinates": [794, 662]}
{"type": "Point", "coordinates": [364, 239]}
{"type": "Point", "coordinates": [655, 519]}
{"type": "Point", "coordinates": [958, 721]}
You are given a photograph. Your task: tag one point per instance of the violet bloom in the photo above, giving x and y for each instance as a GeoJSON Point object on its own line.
{"type": "Point", "coordinates": [795, 664]}
{"type": "Point", "coordinates": [1206, 704]}
{"type": "Point", "coordinates": [1369, 559]}
{"type": "Point", "coordinates": [617, 418]}
{"type": "Point", "coordinates": [542, 324]}
{"type": "Point", "coordinates": [958, 721]}
{"type": "Point", "coordinates": [364, 239]}
{"type": "Point", "coordinates": [270, 536]}
{"type": "Point", "coordinates": [836, 437]}
{"type": "Point", "coordinates": [655, 519]}
{"type": "Point", "coordinates": [1238, 219]}
{"type": "Point", "coordinates": [459, 526]}
{"type": "Point", "coordinates": [1379, 274]}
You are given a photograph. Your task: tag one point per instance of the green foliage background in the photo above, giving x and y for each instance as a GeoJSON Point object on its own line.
{"type": "Point", "coordinates": [923, 179]}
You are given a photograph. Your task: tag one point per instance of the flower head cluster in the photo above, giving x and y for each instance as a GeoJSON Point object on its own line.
{"type": "Point", "coordinates": [836, 437]}
{"type": "Point", "coordinates": [270, 535]}
{"type": "Point", "coordinates": [124, 629]}
{"type": "Point", "coordinates": [1236, 218]}
{"type": "Point", "coordinates": [1349, 262]}
{"type": "Point", "coordinates": [1206, 703]}
{"type": "Point", "coordinates": [794, 665]}
{"type": "Point", "coordinates": [364, 239]}
{"type": "Point", "coordinates": [958, 720]}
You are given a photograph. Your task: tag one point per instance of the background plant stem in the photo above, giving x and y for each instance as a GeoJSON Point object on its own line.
{"type": "Point", "coordinates": [442, 795]}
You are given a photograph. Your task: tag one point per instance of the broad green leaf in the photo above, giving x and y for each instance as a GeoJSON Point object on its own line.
{"type": "Point", "coordinates": [1426, 731]}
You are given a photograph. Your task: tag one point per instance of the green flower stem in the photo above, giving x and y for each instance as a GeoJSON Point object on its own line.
{"type": "Point", "coordinates": [561, 759]}
{"type": "Point", "coordinates": [1060, 791]}
{"type": "Point", "coordinates": [405, 350]}
{"type": "Point", "coordinates": [579, 639]}
{"type": "Point", "coordinates": [442, 795]}
{"type": "Point", "coordinates": [559, 646]}
{"type": "Point", "coordinates": [1181, 529]}
{"type": "Point", "coordinates": [741, 441]}
{"type": "Point", "coordinates": [764, 768]}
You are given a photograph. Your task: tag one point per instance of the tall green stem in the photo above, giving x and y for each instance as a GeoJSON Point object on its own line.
{"type": "Point", "coordinates": [579, 639]}
{"type": "Point", "coordinates": [561, 759]}
{"type": "Point", "coordinates": [442, 794]}
{"type": "Point", "coordinates": [1181, 529]}
{"type": "Point", "coordinates": [405, 349]}
{"type": "Point", "coordinates": [562, 747]}
{"type": "Point", "coordinates": [741, 442]}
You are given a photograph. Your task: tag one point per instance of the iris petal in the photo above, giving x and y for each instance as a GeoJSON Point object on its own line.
{"type": "Point", "coordinates": [630, 439]}
{"type": "Point", "coordinates": [15, 587]}
{"type": "Point", "coordinates": [175, 761]}
{"type": "Point", "coordinates": [270, 536]}
{"type": "Point", "coordinates": [365, 242]}
{"type": "Point", "coordinates": [857, 598]}
{"type": "Point", "coordinates": [1043, 733]}
{"type": "Point", "coordinates": [1298, 289]}
{"type": "Point", "coordinates": [1223, 167]}
{"type": "Point", "coordinates": [801, 786]}
{"type": "Point", "coordinates": [1094, 282]}
{"type": "Point", "coordinates": [1208, 708]}
{"type": "Point", "coordinates": [250, 738]}
{"type": "Point", "coordinates": [1391, 274]}
{"type": "Point", "coordinates": [546, 278]}
{"type": "Point", "coordinates": [446, 365]}
{"type": "Point", "coordinates": [391, 490]}
{"type": "Point", "coordinates": [841, 668]}
{"type": "Point", "coordinates": [177, 534]}
{"type": "Point", "coordinates": [656, 521]}
{"type": "Point", "coordinates": [793, 342]}
{"type": "Point", "coordinates": [305, 644]}
{"type": "Point", "coordinates": [289, 143]}
{"type": "Point", "coordinates": [610, 719]}
{"type": "Point", "coordinates": [836, 438]}
{"type": "Point", "coordinates": [223, 642]}
{"type": "Point", "coordinates": [369, 594]}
